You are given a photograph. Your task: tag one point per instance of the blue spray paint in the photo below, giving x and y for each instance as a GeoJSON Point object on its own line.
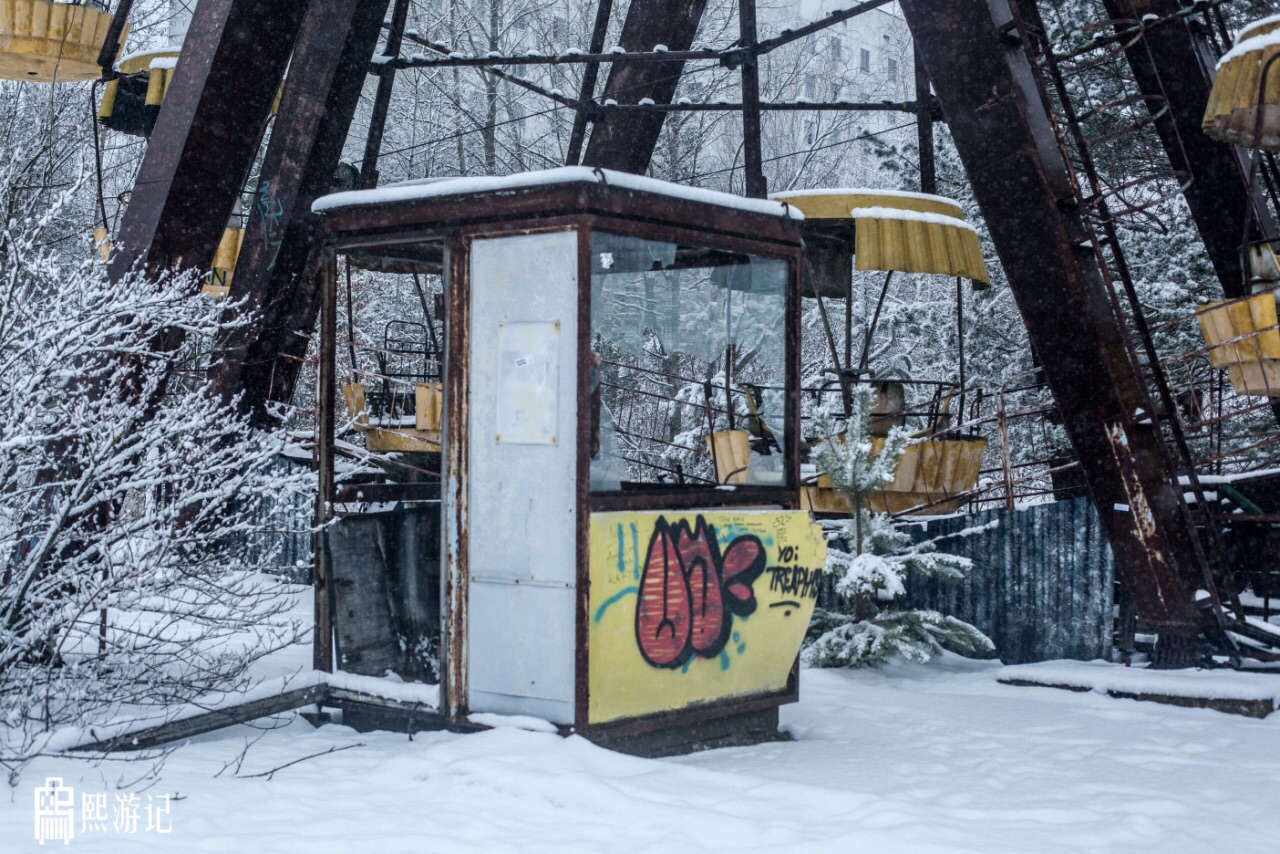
{"type": "Point", "coordinates": [635, 551]}
{"type": "Point", "coordinates": [604, 606]}
{"type": "Point", "coordinates": [622, 565]}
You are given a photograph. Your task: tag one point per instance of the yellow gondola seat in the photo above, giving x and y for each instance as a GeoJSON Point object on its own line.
{"type": "Point", "coordinates": [897, 230]}
{"type": "Point", "coordinates": [51, 42]}
{"type": "Point", "coordinates": [1232, 111]}
{"type": "Point", "coordinates": [417, 433]}
{"type": "Point", "coordinates": [131, 102]}
{"type": "Point", "coordinates": [1242, 338]}
{"type": "Point", "coordinates": [931, 474]}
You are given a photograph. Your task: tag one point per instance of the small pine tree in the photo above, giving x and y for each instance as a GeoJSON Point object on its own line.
{"type": "Point", "coordinates": [871, 558]}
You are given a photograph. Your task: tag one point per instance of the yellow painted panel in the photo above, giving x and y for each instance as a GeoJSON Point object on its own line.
{"type": "Point", "coordinates": [155, 87]}
{"type": "Point", "coordinates": [1260, 379]}
{"type": "Point", "coordinates": [940, 242]}
{"type": "Point", "coordinates": [731, 451]}
{"type": "Point", "coordinates": [691, 607]}
{"type": "Point", "coordinates": [428, 406]}
{"type": "Point", "coordinates": [102, 240]}
{"type": "Point", "coordinates": [133, 63]}
{"type": "Point", "coordinates": [1254, 317]}
{"type": "Point", "coordinates": [354, 395]}
{"type": "Point", "coordinates": [107, 105]}
{"type": "Point", "coordinates": [918, 246]}
{"type": "Point", "coordinates": [405, 440]}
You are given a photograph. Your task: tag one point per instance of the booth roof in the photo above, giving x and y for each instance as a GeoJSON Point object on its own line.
{"type": "Point", "coordinates": [430, 188]}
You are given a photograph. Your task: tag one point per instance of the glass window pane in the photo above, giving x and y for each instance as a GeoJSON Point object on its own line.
{"type": "Point", "coordinates": [689, 343]}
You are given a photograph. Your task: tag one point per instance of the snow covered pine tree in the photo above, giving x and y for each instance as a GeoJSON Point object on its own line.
{"type": "Point", "coordinates": [870, 559]}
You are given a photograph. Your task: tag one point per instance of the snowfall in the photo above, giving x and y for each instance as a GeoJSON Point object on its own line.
{"type": "Point", "coordinates": [936, 757]}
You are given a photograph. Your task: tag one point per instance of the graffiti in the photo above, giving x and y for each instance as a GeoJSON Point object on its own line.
{"type": "Point", "coordinates": [690, 591]}
{"type": "Point", "coordinates": [272, 221]}
{"type": "Point", "coordinates": [667, 659]}
{"type": "Point", "coordinates": [798, 581]}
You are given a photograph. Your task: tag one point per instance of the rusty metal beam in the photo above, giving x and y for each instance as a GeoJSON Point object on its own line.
{"type": "Point", "coordinates": [625, 141]}
{"type": "Point", "coordinates": [924, 129]}
{"type": "Point", "coordinates": [207, 134]}
{"type": "Point", "coordinates": [277, 276]}
{"type": "Point", "coordinates": [755, 184]}
{"type": "Point", "coordinates": [1173, 67]}
{"type": "Point", "coordinates": [604, 9]}
{"type": "Point", "coordinates": [382, 101]}
{"type": "Point", "coordinates": [1003, 133]}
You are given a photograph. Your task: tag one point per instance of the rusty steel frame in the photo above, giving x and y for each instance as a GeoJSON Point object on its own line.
{"type": "Point", "coordinates": [459, 221]}
{"type": "Point", "coordinates": [626, 142]}
{"type": "Point", "coordinates": [1100, 225]}
{"type": "Point", "coordinates": [587, 92]}
{"type": "Point", "coordinates": [1006, 141]}
{"type": "Point", "coordinates": [204, 145]}
{"type": "Point", "coordinates": [326, 392]}
{"type": "Point", "coordinates": [382, 99]}
{"type": "Point", "coordinates": [204, 141]}
{"type": "Point", "coordinates": [276, 302]}
{"type": "Point", "coordinates": [754, 181]}
{"type": "Point", "coordinates": [1173, 67]}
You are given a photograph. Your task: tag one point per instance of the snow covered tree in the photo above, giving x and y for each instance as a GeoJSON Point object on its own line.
{"type": "Point", "coordinates": [134, 505]}
{"type": "Point", "coordinates": [870, 558]}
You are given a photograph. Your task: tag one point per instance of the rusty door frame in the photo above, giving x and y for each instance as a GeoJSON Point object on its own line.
{"type": "Point", "coordinates": [786, 497]}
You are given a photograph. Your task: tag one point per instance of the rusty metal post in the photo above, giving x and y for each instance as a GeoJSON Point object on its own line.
{"type": "Point", "coordinates": [1006, 469]}
{"type": "Point", "coordinates": [207, 134]}
{"type": "Point", "coordinates": [277, 276]}
{"type": "Point", "coordinates": [382, 100]}
{"type": "Point", "coordinates": [326, 390]}
{"type": "Point", "coordinates": [755, 184]}
{"type": "Point", "coordinates": [1003, 133]}
{"type": "Point", "coordinates": [924, 126]}
{"type": "Point", "coordinates": [590, 73]}
{"type": "Point", "coordinates": [456, 504]}
{"type": "Point", "coordinates": [111, 44]}
{"type": "Point", "coordinates": [625, 141]}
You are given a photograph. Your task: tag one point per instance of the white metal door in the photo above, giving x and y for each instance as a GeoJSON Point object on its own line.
{"type": "Point", "coordinates": [522, 469]}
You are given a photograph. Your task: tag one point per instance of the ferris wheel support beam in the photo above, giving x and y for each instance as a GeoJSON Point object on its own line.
{"type": "Point", "coordinates": [273, 283]}
{"type": "Point", "coordinates": [626, 142]}
{"type": "Point", "coordinates": [1004, 135]}
{"type": "Point", "coordinates": [206, 137]}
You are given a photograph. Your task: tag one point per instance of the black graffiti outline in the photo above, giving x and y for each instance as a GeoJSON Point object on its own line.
{"type": "Point", "coordinates": [668, 537]}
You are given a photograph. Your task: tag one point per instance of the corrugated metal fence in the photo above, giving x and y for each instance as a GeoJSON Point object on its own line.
{"type": "Point", "coordinates": [1041, 583]}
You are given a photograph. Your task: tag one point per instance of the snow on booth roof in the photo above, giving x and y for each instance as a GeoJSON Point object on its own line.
{"type": "Point", "coordinates": [432, 188]}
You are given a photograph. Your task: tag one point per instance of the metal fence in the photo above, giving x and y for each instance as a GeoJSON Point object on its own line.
{"type": "Point", "coordinates": [1041, 586]}
{"type": "Point", "coordinates": [284, 533]}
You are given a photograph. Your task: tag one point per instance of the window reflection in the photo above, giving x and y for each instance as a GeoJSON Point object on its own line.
{"type": "Point", "coordinates": [688, 372]}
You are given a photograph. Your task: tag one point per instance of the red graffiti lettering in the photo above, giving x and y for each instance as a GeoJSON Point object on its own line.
{"type": "Point", "coordinates": [689, 591]}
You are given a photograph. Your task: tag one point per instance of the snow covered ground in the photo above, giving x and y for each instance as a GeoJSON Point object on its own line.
{"type": "Point", "coordinates": [915, 758]}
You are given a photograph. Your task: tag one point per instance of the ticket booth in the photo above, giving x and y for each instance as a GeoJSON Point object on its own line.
{"type": "Point", "coordinates": [618, 544]}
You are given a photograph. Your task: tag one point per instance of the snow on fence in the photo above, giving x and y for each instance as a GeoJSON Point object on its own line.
{"type": "Point", "coordinates": [284, 536]}
{"type": "Point", "coordinates": [1041, 583]}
